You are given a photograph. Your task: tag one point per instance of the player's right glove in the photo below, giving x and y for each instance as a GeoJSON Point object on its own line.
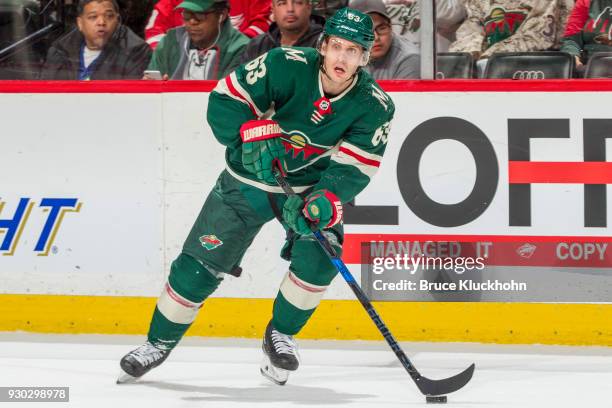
{"type": "Point", "coordinates": [262, 149]}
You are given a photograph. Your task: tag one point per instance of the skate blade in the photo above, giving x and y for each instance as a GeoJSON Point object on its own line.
{"type": "Point", "coordinates": [125, 378]}
{"type": "Point", "coordinates": [277, 375]}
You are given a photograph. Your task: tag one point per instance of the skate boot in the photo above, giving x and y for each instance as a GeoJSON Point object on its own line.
{"type": "Point", "coordinates": [280, 355]}
{"type": "Point", "coordinates": [138, 362]}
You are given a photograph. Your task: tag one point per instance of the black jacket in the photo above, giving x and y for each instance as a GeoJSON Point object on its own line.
{"type": "Point", "coordinates": [271, 39]}
{"type": "Point", "coordinates": [126, 56]}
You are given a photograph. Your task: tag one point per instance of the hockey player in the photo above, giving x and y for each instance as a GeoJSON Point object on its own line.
{"type": "Point", "coordinates": [324, 121]}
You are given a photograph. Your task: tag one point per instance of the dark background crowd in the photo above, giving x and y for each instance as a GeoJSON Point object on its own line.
{"type": "Point", "coordinates": [207, 39]}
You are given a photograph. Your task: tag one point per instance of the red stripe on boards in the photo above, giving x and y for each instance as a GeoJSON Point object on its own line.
{"type": "Point", "coordinates": [447, 85]}
{"type": "Point", "coordinates": [352, 248]}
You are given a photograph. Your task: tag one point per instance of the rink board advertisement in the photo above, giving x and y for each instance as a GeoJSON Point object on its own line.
{"type": "Point", "coordinates": [100, 190]}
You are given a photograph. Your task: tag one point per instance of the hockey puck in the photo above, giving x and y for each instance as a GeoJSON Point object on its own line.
{"type": "Point", "coordinates": [436, 399]}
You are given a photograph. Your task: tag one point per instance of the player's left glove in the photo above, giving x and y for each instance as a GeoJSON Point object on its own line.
{"type": "Point", "coordinates": [262, 149]}
{"type": "Point", "coordinates": [321, 208]}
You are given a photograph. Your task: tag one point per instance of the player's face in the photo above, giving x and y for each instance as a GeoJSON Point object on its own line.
{"type": "Point", "coordinates": [203, 28]}
{"type": "Point", "coordinates": [291, 15]}
{"type": "Point", "coordinates": [98, 23]}
{"type": "Point", "coordinates": [342, 58]}
{"type": "Point", "coordinates": [382, 36]}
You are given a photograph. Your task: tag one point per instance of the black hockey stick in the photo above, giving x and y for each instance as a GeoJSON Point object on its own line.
{"type": "Point", "coordinates": [426, 386]}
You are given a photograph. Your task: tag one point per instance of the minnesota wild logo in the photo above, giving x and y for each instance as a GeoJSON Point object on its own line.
{"type": "Point", "coordinates": [210, 241]}
{"type": "Point", "coordinates": [296, 142]}
{"type": "Point", "coordinates": [502, 23]}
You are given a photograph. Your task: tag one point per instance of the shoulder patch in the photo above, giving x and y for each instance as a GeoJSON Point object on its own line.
{"type": "Point", "coordinates": [381, 96]}
{"type": "Point", "coordinates": [294, 54]}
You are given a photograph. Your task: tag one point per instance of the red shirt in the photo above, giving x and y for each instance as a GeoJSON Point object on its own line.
{"type": "Point", "coordinates": [579, 16]}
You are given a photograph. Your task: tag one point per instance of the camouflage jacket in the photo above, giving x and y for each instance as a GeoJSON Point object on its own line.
{"type": "Point", "coordinates": [406, 20]}
{"type": "Point", "coordinates": [511, 26]}
{"type": "Point", "coordinates": [405, 15]}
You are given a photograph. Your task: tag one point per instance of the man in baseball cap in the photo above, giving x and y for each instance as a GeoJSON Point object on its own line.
{"type": "Point", "coordinates": [206, 47]}
{"type": "Point", "coordinates": [391, 57]}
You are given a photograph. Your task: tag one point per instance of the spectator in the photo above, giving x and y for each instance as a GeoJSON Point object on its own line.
{"type": "Point", "coordinates": [294, 25]}
{"type": "Point", "coordinates": [251, 17]}
{"type": "Point", "coordinates": [510, 26]}
{"type": "Point", "coordinates": [406, 21]}
{"type": "Point", "coordinates": [588, 30]}
{"type": "Point", "coordinates": [392, 57]}
{"type": "Point", "coordinates": [99, 48]}
{"type": "Point", "coordinates": [206, 47]}
{"type": "Point", "coordinates": [327, 8]}
{"type": "Point", "coordinates": [135, 13]}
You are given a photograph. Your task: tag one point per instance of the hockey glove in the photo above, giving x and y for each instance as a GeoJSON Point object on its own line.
{"type": "Point", "coordinates": [262, 149]}
{"type": "Point", "coordinates": [321, 208]}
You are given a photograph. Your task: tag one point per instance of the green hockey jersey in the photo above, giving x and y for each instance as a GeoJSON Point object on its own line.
{"type": "Point", "coordinates": [334, 143]}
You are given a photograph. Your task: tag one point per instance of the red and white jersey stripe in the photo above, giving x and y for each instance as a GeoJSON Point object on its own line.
{"type": "Point", "coordinates": [231, 87]}
{"type": "Point", "coordinates": [349, 154]}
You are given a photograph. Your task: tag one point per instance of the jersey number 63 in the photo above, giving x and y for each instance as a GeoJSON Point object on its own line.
{"type": "Point", "coordinates": [255, 69]}
{"type": "Point", "coordinates": [381, 134]}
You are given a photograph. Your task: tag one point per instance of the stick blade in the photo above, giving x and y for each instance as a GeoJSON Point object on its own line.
{"type": "Point", "coordinates": [447, 385]}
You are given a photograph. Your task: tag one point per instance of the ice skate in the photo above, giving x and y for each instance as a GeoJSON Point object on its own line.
{"type": "Point", "coordinates": [139, 361]}
{"type": "Point", "coordinates": [280, 355]}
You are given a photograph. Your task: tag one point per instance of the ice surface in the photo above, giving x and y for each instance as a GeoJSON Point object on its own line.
{"type": "Point", "coordinates": [225, 373]}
